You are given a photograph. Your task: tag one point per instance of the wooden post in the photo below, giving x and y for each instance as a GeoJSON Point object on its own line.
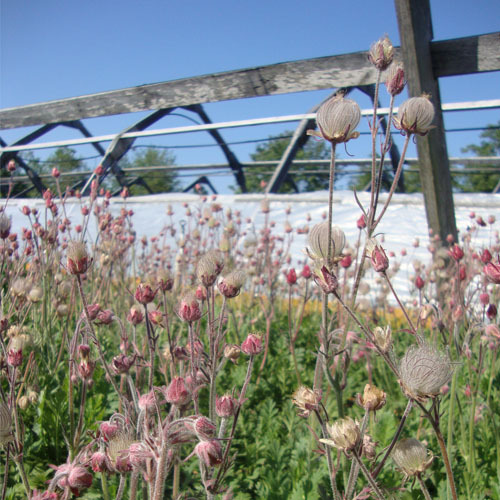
{"type": "Point", "coordinates": [415, 32]}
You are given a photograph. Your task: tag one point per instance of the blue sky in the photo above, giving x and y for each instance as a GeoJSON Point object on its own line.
{"type": "Point", "coordinates": [53, 49]}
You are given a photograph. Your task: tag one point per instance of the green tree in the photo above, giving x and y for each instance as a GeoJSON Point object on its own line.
{"type": "Point", "coordinates": [159, 181]}
{"type": "Point", "coordinates": [306, 180]}
{"type": "Point", "coordinates": [489, 146]}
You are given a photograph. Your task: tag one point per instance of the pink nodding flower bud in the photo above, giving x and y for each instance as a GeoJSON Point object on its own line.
{"type": "Point", "coordinates": [105, 317]}
{"type": "Point", "coordinates": [252, 345]}
{"type": "Point", "coordinates": [486, 256]}
{"type": "Point", "coordinates": [93, 310]}
{"type": "Point", "coordinates": [15, 357]}
{"type": "Point", "coordinates": [201, 293]}
{"type": "Point", "coordinates": [86, 369]}
{"type": "Point", "coordinates": [361, 222]}
{"type": "Point", "coordinates": [55, 173]}
{"type": "Point", "coordinates": [144, 294]}
{"type": "Point", "coordinates": [79, 478]}
{"type": "Point", "coordinates": [156, 317]}
{"type": "Point", "coordinates": [491, 312]}
{"type": "Point", "coordinates": [484, 298]}
{"type": "Point", "coordinates": [26, 210]}
{"type": "Point", "coordinates": [225, 406]}
{"type": "Point", "coordinates": [492, 272]}
{"type": "Point", "coordinates": [109, 430]}
{"type": "Point", "coordinates": [135, 316]}
{"type": "Point", "coordinates": [99, 462]}
{"type": "Point", "coordinates": [11, 166]}
{"type": "Point", "coordinates": [306, 272]}
{"type": "Point", "coordinates": [380, 261]}
{"type": "Point", "coordinates": [419, 283]}
{"type": "Point", "coordinates": [99, 170]}
{"type": "Point", "coordinates": [189, 308]}
{"type": "Point", "coordinates": [291, 277]}
{"type": "Point", "coordinates": [456, 253]}
{"type": "Point", "coordinates": [346, 261]}
{"type": "Point", "coordinates": [326, 280]}
{"type": "Point", "coordinates": [209, 452]}
{"type": "Point", "coordinates": [177, 393]}
{"type": "Point", "coordinates": [122, 363]}
{"type": "Point", "coordinates": [395, 79]}
{"type": "Point", "coordinates": [202, 427]}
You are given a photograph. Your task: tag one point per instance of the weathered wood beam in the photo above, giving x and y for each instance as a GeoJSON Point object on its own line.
{"type": "Point", "coordinates": [415, 32]}
{"type": "Point", "coordinates": [452, 57]}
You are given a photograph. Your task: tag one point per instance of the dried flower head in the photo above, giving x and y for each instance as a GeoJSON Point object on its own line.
{"type": "Point", "coordinates": [381, 53]}
{"type": "Point", "coordinates": [118, 450]}
{"type": "Point", "coordinates": [252, 345]}
{"type": "Point", "coordinates": [372, 399]}
{"type": "Point", "coordinates": [423, 370]}
{"type": "Point", "coordinates": [383, 337]}
{"type": "Point", "coordinates": [78, 258]}
{"type": "Point", "coordinates": [492, 272]}
{"type": "Point", "coordinates": [337, 118]}
{"type": "Point", "coordinates": [411, 457]}
{"type": "Point", "coordinates": [230, 285]}
{"type": "Point", "coordinates": [189, 309]}
{"type": "Point", "coordinates": [344, 434]}
{"type": "Point", "coordinates": [415, 116]}
{"type": "Point", "coordinates": [317, 241]}
{"type": "Point", "coordinates": [209, 267]}
{"type": "Point", "coordinates": [306, 400]}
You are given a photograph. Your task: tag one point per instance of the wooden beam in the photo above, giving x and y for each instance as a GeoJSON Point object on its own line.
{"type": "Point", "coordinates": [346, 70]}
{"type": "Point", "coordinates": [415, 32]}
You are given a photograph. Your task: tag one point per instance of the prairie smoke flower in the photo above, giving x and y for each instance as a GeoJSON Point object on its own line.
{"type": "Point", "coordinates": [144, 294]}
{"type": "Point", "coordinates": [99, 462]}
{"type": "Point", "coordinates": [189, 308]}
{"type": "Point", "coordinates": [491, 312]}
{"type": "Point", "coordinates": [306, 400]}
{"type": "Point", "coordinates": [326, 280]}
{"type": "Point", "coordinates": [415, 116]}
{"type": "Point", "coordinates": [486, 256]}
{"type": "Point", "coordinates": [291, 277]}
{"type": "Point", "coordinates": [344, 434]}
{"type": "Point", "coordinates": [5, 225]}
{"type": "Point", "coordinates": [135, 316]}
{"type": "Point", "coordinates": [317, 241]}
{"type": "Point", "coordinates": [77, 257]}
{"type": "Point", "coordinates": [202, 427]}
{"type": "Point", "coordinates": [209, 452]}
{"type": "Point", "coordinates": [177, 393]}
{"type": "Point", "coordinates": [381, 53]}
{"type": "Point", "coordinates": [232, 352]}
{"type": "Point", "coordinates": [230, 285]}
{"type": "Point", "coordinates": [372, 399]}
{"type": "Point", "coordinates": [456, 253]}
{"type": "Point", "coordinates": [492, 272]}
{"type": "Point", "coordinates": [118, 451]}
{"type": "Point", "coordinates": [209, 267]}
{"type": "Point", "coordinates": [423, 370]}
{"type": "Point", "coordinates": [252, 345]}
{"type": "Point", "coordinates": [225, 406]}
{"type": "Point", "coordinates": [337, 118]}
{"type": "Point", "coordinates": [395, 79]}
{"type": "Point", "coordinates": [378, 257]}
{"type": "Point", "coordinates": [122, 363]}
{"type": "Point", "coordinates": [411, 457]}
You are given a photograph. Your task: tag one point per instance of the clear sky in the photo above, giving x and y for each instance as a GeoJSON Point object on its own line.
{"type": "Point", "coordinates": [52, 49]}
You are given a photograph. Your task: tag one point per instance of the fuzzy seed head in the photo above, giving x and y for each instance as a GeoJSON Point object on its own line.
{"type": "Point", "coordinates": [231, 284]}
{"type": "Point", "coordinates": [423, 370]}
{"type": "Point", "coordinates": [306, 400]}
{"type": "Point", "coordinates": [411, 457]}
{"type": "Point", "coordinates": [415, 116]}
{"type": "Point", "coordinates": [78, 258]}
{"type": "Point", "coordinates": [381, 53]}
{"type": "Point", "coordinates": [383, 338]}
{"type": "Point", "coordinates": [337, 118]}
{"type": "Point", "coordinates": [317, 241]}
{"type": "Point", "coordinates": [5, 225]}
{"type": "Point", "coordinates": [343, 434]}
